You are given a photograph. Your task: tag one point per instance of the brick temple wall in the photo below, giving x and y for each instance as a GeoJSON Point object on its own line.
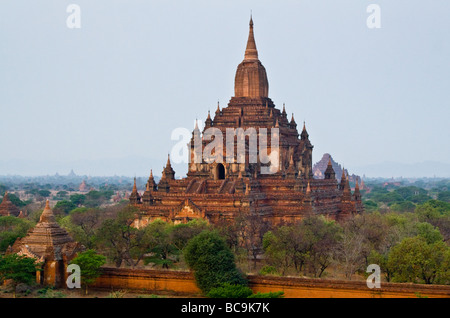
{"type": "Point", "coordinates": [182, 283]}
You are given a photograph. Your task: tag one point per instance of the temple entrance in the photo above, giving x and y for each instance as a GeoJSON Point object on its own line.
{"type": "Point", "coordinates": [220, 172]}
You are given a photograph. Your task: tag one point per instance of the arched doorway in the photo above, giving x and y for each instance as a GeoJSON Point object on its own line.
{"type": "Point", "coordinates": [220, 172]}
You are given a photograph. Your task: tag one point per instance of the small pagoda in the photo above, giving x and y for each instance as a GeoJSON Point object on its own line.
{"type": "Point", "coordinates": [7, 208]}
{"type": "Point", "coordinates": [51, 245]}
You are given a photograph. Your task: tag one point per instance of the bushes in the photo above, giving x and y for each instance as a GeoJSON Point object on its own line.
{"type": "Point", "coordinates": [212, 262]}
{"type": "Point", "coordinates": [227, 290]}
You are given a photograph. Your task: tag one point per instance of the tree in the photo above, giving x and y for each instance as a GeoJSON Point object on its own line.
{"type": "Point", "coordinates": [444, 196]}
{"type": "Point", "coordinates": [212, 261]}
{"type": "Point", "coordinates": [120, 240]}
{"type": "Point", "coordinates": [78, 199]}
{"type": "Point", "coordinates": [308, 245]}
{"type": "Point", "coordinates": [90, 263]}
{"type": "Point", "coordinates": [183, 232]}
{"type": "Point", "coordinates": [156, 238]}
{"type": "Point", "coordinates": [416, 261]}
{"type": "Point", "coordinates": [11, 228]}
{"type": "Point", "coordinates": [44, 193]}
{"type": "Point", "coordinates": [19, 269]}
{"type": "Point", "coordinates": [64, 207]}
{"type": "Point", "coordinates": [16, 200]}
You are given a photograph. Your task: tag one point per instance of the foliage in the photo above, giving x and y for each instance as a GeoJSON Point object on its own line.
{"type": "Point", "coordinates": [90, 263]}
{"type": "Point", "coordinates": [44, 193]}
{"type": "Point", "coordinates": [212, 261]}
{"type": "Point", "coordinates": [278, 294]}
{"type": "Point", "coordinates": [78, 199]}
{"type": "Point", "coordinates": [63, 207]}
{"type": "Point", "coordinates": [227, 290]}
{"type": "Point", "coordinates": [16, 200]}
{"type": "Point", "coordinates": [19, 269]}
{"type": "Point", "coordinates": [118, 237]}
{"type": "Point", "coordinates": [50, 292]}
{"type": "Point", "coordinates": [444, 196]}
{"type": "Point", "coordinates": [11, 228]}
{"type": "Point", "coordinates": [308, 245]}
{"type": "Point", "coordinates": [157, 236]}
{"type": "Point", "coordinates": [268, 270]}
{"type": "Point", "coordinates": [405, 206]}
{"type": "Point", "coordinates": [415, 260]}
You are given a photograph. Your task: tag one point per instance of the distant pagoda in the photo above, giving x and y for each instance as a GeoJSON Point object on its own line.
{"type": "Point", "coordinates": [7, 208]}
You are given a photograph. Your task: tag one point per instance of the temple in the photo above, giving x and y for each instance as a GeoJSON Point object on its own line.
{"type": "Point", "coordinates": [51, 245]}
{"type": "Point", "coordinates": [217, 190]}
{"type": "Point", "coordinates": [7, 208]}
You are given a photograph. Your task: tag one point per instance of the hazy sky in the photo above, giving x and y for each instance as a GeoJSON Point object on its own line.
{"type": "Point", "coordinates": [136, 70]}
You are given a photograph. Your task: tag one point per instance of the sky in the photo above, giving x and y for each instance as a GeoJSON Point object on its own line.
{"type": "Point", "coordinates": [104, 99]}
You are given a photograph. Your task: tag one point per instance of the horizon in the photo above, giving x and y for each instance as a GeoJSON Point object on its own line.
{"type": "Point", "coordinates": [105, 98]}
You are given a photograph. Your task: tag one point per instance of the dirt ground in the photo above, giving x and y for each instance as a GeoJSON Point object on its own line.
{"type": "Point", "coordinates": [40, 292]}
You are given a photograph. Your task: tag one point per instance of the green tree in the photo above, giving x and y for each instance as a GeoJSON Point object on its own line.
{"type": "Point", "coordinates": [120, 240]}
{"type": "Point", "coordinates": [19, 269]}
{"type": "Point", "coordinates": [78, 199]}
{"type": "Point", "coordinates": [90, 266]}
{"type": "Point", "coordinates": [228, 290]}
{"type": "Point", "coordinates": [183, 232]}
{"type": "Point", "coordinates": [64, 207]}
{"type": "Point", "coordinates": [405, 206]}
{"type": "Point", "coordinates": [212, 261]}
{"type": "Point", "coordinates": [444, 196]}
{"type": "Point", "coordinates": [428, 232]}
{"type": "Point", "coordinates": [158, 241]}
{"type": "Point", "coordinates": [44, 193]}
{"type": "Point", "coordinates": [415, 261]}
{"type": "Point", "coordinates": [11, 228]}
{"type": "Point", "coordinates": [16, 200]}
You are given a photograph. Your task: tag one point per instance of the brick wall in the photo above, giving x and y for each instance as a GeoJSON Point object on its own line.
{"type": "Point", "coordinates": [182, 283]}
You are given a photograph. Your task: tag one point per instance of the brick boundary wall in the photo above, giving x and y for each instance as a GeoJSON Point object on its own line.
{"type": "Point", "coordinates": [182, 283]}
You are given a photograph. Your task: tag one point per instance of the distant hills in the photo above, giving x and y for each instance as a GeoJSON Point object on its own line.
{"type": "Point", "coordinates": [140, 166]}
{"type": "Point", "coordinates": [427, 169]}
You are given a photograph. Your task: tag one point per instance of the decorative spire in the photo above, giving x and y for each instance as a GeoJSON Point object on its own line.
{"type": "Point", "coordinates": [357, 193]}
{"type": "Point", "coordinates": [134, 186]}
{"type": "Point", "coordinates": [347, 195]}
{"type": "Point", "coordinates": [151, 184]}
{"type": "Point", "coordinates": [343, 177]}
{"type": "Point", "coordinates": [218, 107]}
{"type": "Point", "coordinates": [329, 172]}
{"type": "Point", "coordinates": [293, 124]}
{"type": "Point", "coordinates": [208, 122]}
{"type": "Point", "coordinates": [47, 215]}
{"type": "Point", "coordinates": [135, 197]}
{"type": "Point", "coordinates": [304, 134]}
{"type": "Point", "coordinates": [251, 53]}
{"type": "Point", "coordinates": [284, 110]}
{"type": "Point", "coordinates": [168, 172]}
{"type": "Point", "coordinates": [308, 188]}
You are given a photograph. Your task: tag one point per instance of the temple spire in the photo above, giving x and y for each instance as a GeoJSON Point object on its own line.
{"type": "Point", "coordinates": [251, 53]}
{"type": "Point", "coordinates": [47, 215]}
